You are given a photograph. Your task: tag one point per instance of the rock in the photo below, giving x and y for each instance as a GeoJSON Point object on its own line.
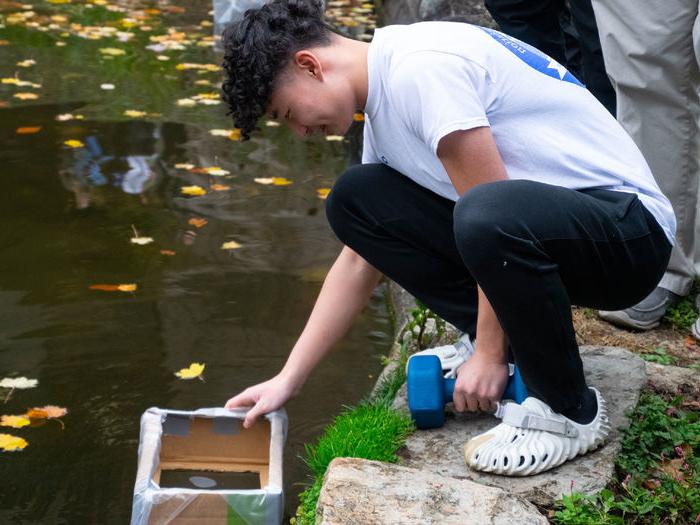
{"type": "Point", "coordinates": [617, 373]}
{"type": "Point", "coordinates": [409, 11]}
{"type": "Point", "coordinates": [371, 492]}
{"type": "Point", "coordinates": [674, 380]}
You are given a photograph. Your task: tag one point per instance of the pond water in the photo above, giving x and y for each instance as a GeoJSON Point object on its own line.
{"type": "Point", "coordinates": [68, 214]}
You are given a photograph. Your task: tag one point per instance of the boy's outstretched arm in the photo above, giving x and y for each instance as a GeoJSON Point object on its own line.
{"type": "Point", "coordinates": [345, 291]}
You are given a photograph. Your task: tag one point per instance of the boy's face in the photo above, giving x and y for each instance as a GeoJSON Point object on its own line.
{"type": "Point", "coordinates": [312, 101]}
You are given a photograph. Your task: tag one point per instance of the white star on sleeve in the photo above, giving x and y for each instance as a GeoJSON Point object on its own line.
{"type": "Point", "coordinates": [553, 64]}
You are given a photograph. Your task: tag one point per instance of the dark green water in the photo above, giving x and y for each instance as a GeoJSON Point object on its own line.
{"type": "Point", "coordinates": [66, 218]}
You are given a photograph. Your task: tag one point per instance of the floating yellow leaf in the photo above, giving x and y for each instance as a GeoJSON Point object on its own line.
{"type": "Point", "coordinates": [47, 412]}
{"type": "Point", "coordinates": [235, 134]}
{"type": "Point", "coordinates": [193, 190]}
{"type": "Point", "coordinates": [4, 42]}
{"type": "Point", "coordinates": [167, 252]}
{"type": "Point", "coordinates": [323, 192]}
{"type": "Point", "coordinates": [59, 1]}
{"type": "Point", "coordinates": [112, 51]}
{"type": "Point", "coordinates": [20, 83]}
{"type": "Point", "coordinates": [107, 87]}
{"type": "Point", "coordinates": [272, 124]}
{"type": "Point", "coordinates": [197, 222]}
{"type": "Point", "coordinates": [68, 116]}
{"type": "Point", "coordinates": [231, 245]}
{"type": "Point", "coordinates": [114, 287]}
{"type": "Point", "coordinates": [275, 181]}
{"type": "Point", "coordinates": [141, 240]}
{"type": "Point", "coordinates": [184, 166]}
{"type": "Point", "coordinates": [203, 67]}
{"type": "Point", "coordinates": [28, 130]}
{"type": "Point", "coordinates": [73, 143]}
{"type": "Point", "coordinates": [193, 371]}
{"type": "Point", "coordinates": [14, 421]}
{"type": "Point", "coordinates": [134, 113]}
{"type": "Point", "coordinates": [26, 63]}
{"type": "Point", "coordinates": [18, 382]}
{"type": "Point", "coordinates": [220, 187]}
{"type": "Point", "coordinates": [186, 102]}
{"type": "Point", "coordinates": [334, 138]}
{"type": "Point", "coordinates": [358, 117]}
{"type": "Point", "coordinates": [9, 443]}
{"type": "Point", "coordinates": [221, 132]}
{"type": "Point", "coordinates": [26, 96]}
{"type": "Point", "coordinates": [216, 171]}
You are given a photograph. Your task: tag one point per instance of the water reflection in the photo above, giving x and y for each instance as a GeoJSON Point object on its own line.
{"type": "Point", "coordinates": [108, 357]}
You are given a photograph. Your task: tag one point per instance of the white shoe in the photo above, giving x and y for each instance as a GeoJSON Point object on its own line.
{"type": "Point", "coordinates": [451, 356]}
{"type": "Point", "coordinates": [533, 438]}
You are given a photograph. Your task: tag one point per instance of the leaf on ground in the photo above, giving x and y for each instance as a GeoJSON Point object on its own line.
{"type": "Point", "coordinates": [26, 63]}
{"type": "Point", "coordinates": [114, 287]}
{"type": "Point", "coordinates": [192, 372]}
{"type": "Point", "coordinates": [272, 124]}
{"type": "Point", "coordinates": [141, 240]}
{"type": "Point", "coordinates": [220, 187]}
{"type": "Point", "coordinates": [184, 166]}
{"type": "Point", "coordinates": [74, 143]}
{"type": "Point", "coordinates": [107, 87]}
{"type": "Point", "coordinates": [18, 382]}
{"type": "Point", "coordinates": [47, 412]}
{"type": "Point", "coordinates": [197, 222]}
{"type": "Point", "coordinates": [231, 245]}
{"type": "Point", "coordinates": [10, 443]}
{"type": "Point", "coordinates": [323, 192]}
{"type": "Point", "coordinates": [193, 190]}
{"type": "Point", "coordinates": [203, 67]}
{"type": "Point", "coordinates": [358, 117]}
{"type": "Point", "coordinates": [28, 130]}
{"type": "Point", "coordinates": [26, 96]}
{"type": "Point", "coordinates": [167, 252]}
{"type": "Point", "coordinates": [334, 138]}
{"type": "Point", "coordinates": [14, 421]}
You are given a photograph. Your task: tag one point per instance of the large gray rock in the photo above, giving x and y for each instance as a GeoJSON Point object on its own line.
{"type": "Point", "coordinates": [357, 491]}
{"type": "Point", "coordinates": [617, 373]}
{"type": "Point", "coordinates": [674, 380]}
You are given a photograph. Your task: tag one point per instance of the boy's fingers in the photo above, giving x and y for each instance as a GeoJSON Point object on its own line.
{"type": "Point", "coordinates": [241, 400]}
{"type": "Point", "coordinates": [253, 414]}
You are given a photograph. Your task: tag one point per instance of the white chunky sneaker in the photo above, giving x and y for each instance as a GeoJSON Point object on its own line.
{"type": "Point", "coordinates": [451, 356]}
{"type": "Point", "coordinates": [533, 438]}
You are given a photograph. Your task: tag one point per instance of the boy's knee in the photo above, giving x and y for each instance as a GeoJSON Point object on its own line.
{"type": "Point", "coordinates": [354, 196]}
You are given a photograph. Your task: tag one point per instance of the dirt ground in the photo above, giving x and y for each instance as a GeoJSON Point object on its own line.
{"type": "Point", "coordinates": [678, 347]}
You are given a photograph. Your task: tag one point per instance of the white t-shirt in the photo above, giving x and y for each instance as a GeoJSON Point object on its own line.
{"type": "Point", "coordinates": [429, 79]}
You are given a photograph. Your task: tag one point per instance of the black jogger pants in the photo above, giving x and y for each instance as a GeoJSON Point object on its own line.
{"type": "Point", "coordinates": [535, 249]}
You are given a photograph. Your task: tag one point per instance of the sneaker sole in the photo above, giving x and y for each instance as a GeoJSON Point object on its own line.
{"type": "Point", "coordinates": [622, 319]}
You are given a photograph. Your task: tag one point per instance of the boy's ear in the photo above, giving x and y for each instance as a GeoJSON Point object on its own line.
{"type": "Point", "coordinates": [308, 63]}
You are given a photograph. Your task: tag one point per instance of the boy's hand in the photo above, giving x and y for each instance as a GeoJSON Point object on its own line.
{"type": "Point", "coordinates": [480, 383]}
{"type": "Point", "coordinates": [263, 397]}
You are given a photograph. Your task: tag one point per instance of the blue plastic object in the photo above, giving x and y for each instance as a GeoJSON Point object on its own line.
{"type": "Point", "coordinates": [429, 392]}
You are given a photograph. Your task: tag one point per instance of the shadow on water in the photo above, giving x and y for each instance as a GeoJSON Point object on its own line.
{"type": "Point", "coordinates": [67, 217]}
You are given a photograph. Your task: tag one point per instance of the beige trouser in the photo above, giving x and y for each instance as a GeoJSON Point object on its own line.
{"type": "Point", "coordinates": [651, 50]}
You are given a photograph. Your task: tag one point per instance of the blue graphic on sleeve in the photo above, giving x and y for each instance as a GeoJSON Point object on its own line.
{"type": "Point", "coordinates": [533, 57]}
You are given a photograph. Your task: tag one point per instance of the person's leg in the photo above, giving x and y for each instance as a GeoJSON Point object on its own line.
{"type": "Point", "coordinates": [652, 62]}
{"type": "Point", "coordinates": [534, 22]}
{"type": "Point", "coordinates": [405, 231]}
{"type": "Point", "coordinates": [535, 249]}
{"type": "Point", "coordinates": [594, 75]}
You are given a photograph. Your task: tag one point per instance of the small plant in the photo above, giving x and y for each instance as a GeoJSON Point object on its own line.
{"type": "Point", "coordinates": [417, 323]}
{"type": "Point", "coordinates": [658, 472]}
{"type": "Point", "coordinates": [683, 314]}
{"type": "Point", "coordinates": [660, 356]}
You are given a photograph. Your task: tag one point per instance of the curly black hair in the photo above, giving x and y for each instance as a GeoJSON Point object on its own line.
{"type": "Point", "coordinates": [257, 49]}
